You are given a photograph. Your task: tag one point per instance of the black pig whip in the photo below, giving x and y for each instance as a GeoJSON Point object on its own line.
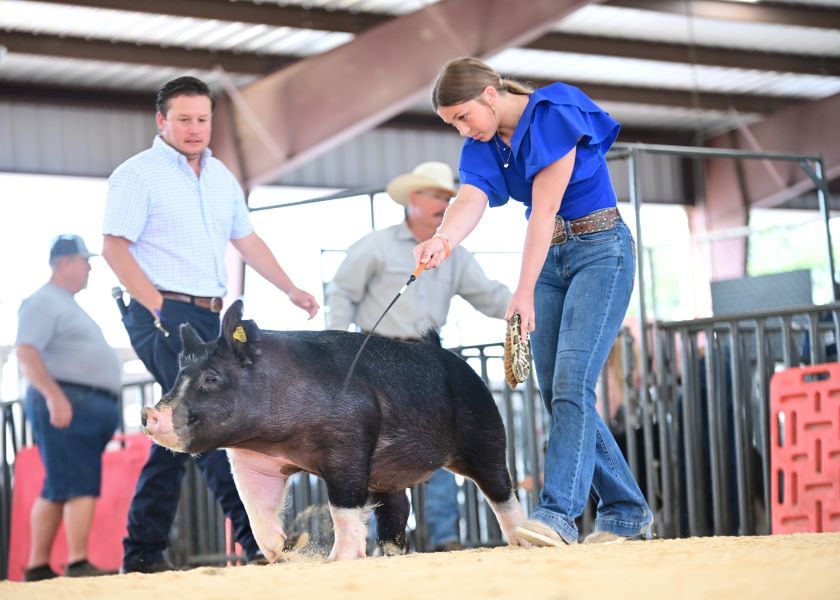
{"type": "Point", "coordinates": [372, 329]}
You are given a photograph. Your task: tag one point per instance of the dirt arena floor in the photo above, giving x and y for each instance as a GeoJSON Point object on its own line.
{"type": "Point", "coordinates": [800, 566]}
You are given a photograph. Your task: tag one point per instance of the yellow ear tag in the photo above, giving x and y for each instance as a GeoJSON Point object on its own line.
{"type": "Point", "coordinates": [239, 334]}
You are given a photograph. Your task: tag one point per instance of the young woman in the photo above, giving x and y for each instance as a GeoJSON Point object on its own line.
{"type": "Point", "coordinates": [546, 149]}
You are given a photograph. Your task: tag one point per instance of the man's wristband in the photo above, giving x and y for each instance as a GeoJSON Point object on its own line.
{"type": "Point", "coordinates": [447, 246]}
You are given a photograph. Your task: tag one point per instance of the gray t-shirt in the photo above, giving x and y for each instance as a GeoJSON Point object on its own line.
{"type": "Point", "coordinates": [70, 342]}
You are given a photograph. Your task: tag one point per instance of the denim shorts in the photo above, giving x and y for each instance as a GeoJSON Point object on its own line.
{"type": "Point", "coordinates": [72, 456]}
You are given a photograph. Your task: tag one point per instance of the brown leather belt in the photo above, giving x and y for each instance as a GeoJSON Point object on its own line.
{"type": "Point", "coordinates": [211, 303]}
{"type": "Point", "coordinates": [599, 220]}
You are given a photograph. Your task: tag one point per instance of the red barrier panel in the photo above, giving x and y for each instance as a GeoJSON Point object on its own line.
{"type": "Point", "coordinates": [120, 470]}
{"type": "Point", "coordinates": [805, 449]}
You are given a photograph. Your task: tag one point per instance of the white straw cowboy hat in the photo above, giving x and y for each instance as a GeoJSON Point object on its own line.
{"type": "Point", "coordinates": [426, 176]}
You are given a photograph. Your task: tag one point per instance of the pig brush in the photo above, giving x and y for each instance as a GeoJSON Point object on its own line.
{"type": "Point", "coordinates": [517, 353]}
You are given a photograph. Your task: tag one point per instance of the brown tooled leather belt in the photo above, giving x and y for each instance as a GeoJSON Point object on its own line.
{"type": "Point", "coordinates": [211, 303]}
{"type": "Point", "coordinates": [599, 220]}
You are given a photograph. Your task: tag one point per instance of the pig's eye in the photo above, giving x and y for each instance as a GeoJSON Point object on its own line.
{"type": "Point", "coordinates": [209, 380]}
{"type": "Point", "coordinates": [192, 419]}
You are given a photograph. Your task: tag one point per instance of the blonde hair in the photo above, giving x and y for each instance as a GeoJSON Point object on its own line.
{"type": "Point", "coordinates": [464, 79]}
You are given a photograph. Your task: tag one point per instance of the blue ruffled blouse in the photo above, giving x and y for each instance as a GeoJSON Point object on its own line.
{"type": "Point", "coordinates": [556, 119]}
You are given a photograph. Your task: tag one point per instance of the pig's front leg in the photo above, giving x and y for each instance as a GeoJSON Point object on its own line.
{"type": "Point", "coordinates": [348, 493]}
{"type": "Point", "coordinates": [350, 533]}
{"type": "Point", "coordinates": [262, 488]}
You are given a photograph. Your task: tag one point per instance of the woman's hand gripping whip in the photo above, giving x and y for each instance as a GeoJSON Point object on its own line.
{"type": "Point", "coordinates": [411, 279]}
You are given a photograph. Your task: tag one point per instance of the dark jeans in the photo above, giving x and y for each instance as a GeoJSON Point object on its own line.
{"type": "Point", "coordinates": [155, 500]}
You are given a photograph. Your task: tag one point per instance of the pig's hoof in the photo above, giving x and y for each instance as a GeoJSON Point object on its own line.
{"type": "Point", "coordinates": [345, 554]}
{"type": "Point", "coordinates": [388, 549]}
{"type": "Point", "coordinates": [272, 546]}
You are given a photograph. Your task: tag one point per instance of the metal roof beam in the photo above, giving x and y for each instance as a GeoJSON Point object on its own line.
{"type": "Point", "coordinates": [253, 63]}
{"type": "Point", "coordinates": [263, 13]}
{"type": "Point", "coordinates": [645, 135]}
{"type": "Point", "coordinates": [65, 46]}
{"type": "Point", "coordinates": [744, 103]}
{"type": "Point", "coordinates": [304, 110]}
{"type": "Point", "coordinates": [77, 96]}
{"type": "Point", "coordinates": [803, 127]}
{"type": "Point", "coordinates": [357, 22]}
{"type": "Point", "coordinates": [822, 17]}
{"type": "Point", "coordinates": [682, 53]}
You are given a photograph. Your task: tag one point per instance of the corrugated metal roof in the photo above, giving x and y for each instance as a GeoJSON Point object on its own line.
{"type": "Point", "coordinates": [70, 72]}
{"type": "Point", "coordinates": [631, 23]}
{"type": "Point", "coordinates": [593, 20]}
{"type": "Point", "coordinates": [663, 75]}
{"type": "Point", "coordinates": [391, 7]}
{"type": "Point", "coordinates": [164, 30]}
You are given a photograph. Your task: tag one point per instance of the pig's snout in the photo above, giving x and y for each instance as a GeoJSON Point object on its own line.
{"type": "Point", "coordinates": [150, 419]}
{"type": "Point", "coordinates": [156, 422]}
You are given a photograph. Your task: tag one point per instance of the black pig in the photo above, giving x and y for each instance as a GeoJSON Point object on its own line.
{"type": "Point", "coordinates": [274, 401]}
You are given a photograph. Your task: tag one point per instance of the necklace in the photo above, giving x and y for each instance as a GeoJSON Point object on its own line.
{"type": "Point", "coordinates": [505, 163]}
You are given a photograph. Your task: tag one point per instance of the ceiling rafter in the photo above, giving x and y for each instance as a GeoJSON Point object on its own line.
{"type": "Point", "coordinates": [647, 135]}
{"type": "Point", "coordinates": [275, 15]}
{"type": "Point", "coordinates": [85, 97]}
{"type": "Point", "coordinates": [345, 21]}
{"type": "Point", "coordinates": [254, 63]}
{"type": "Point", "coordinates": [145, 101]}
{"type": "Point", "coordinates": [822, 17]}
{"type": "Point", "coordinates": [356, 22]}
{"type": "Point", "coordinates": [682, 53]}
{"type": "Point", "coordinates": [85, 48]}
{"type": "Point", "coordinates": [779, 13]}
{"type": "Point", "coordinates": [743, 103]}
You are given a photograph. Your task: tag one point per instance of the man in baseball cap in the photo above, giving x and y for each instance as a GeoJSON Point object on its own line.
{"type": "Point", "coordinates": [376, 267]}
{"type": "Point", "coordinates": [72, 406]}
{"type": "Point", "coordinates": [69, 245]}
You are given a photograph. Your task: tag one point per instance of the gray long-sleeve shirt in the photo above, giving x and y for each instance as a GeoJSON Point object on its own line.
{"type": "Point", "coordinates": [379, 264]}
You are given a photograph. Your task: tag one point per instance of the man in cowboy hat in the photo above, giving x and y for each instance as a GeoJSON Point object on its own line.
{"type": "Point", "coordinates": [376, 267]}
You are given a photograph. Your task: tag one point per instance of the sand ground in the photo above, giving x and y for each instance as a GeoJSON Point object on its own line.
{"type": "Point", "coordinates": [800, 566]}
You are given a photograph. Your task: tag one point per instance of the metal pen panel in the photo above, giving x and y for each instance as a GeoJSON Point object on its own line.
{"type": "Point", "coordinates": [763, 373]}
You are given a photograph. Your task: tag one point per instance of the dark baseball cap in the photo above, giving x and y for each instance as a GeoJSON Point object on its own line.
{"type": "Point", "coordinates": [68, 245]}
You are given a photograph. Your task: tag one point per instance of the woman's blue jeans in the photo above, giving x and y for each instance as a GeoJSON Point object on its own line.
{"type": "Point", "coordinates": [580, 300]}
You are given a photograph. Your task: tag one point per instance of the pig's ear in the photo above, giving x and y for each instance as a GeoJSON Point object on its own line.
{"type": "Point", "coordinates": [191, 344]}
{"type": "Point", "coordinates": [232, 318]}
{"type": "Point", "coordinates": [242, 337]}
{"type": "Point", "coordinates": [190, 340]}
{"type": "Point", "coordinates": [247, 351]}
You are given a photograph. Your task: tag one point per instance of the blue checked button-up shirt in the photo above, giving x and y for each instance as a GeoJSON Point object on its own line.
{"type": "Point", "coordinates": [179, 222]}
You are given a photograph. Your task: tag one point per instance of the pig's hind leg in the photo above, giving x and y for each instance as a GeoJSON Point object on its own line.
{"type": "Point", "coordinates": [490, 474]}
{"type": "Point", "coordinates": [262, 489]}
{"type": "Point", "coordinates": [391, 517]}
